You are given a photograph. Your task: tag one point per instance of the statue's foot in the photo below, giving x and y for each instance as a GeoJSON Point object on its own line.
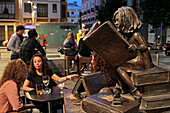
{"type": "Point", "coordinates": [137, 95]}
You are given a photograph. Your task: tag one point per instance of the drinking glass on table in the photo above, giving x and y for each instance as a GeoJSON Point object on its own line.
{"type": "Point", "coordinates": [46, 81]}
{"type": "Point", "coordinates": [61, 86]}
{"type": "Point", "coordinates": [39, 88]}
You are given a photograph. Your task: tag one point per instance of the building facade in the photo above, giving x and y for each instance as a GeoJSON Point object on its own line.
{"type": "Point", "coordinates": [73, 12]}
{"type": "Point", "coordinates": [29, 12]}
{"type": "Point", "coordinates": [9, 18]}
{"type": "Point", "coordinates": [36, 11]}
{"type": "Point", "coordinates": [88, 13]}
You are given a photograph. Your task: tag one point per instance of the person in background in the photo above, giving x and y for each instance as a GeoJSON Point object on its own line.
{"type": "Point", "coordinates": [39, 68]}
{"type": "Point", "coordinates": [43, 44]}
{"type": "Point", "coordinates": [15, 42]}
{"type": "Point", "coordinates": [29, 45]}
{"type": "Point", "coordinates": [10, 83]}
{"type": "Point", "coordinates": [70, 45]}
{"type": "Point", "coordinates": [83, 49]}
{"type": "Point", "coordinates": [78, 36]}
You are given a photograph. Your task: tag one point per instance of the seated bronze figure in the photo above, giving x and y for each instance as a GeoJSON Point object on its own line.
{"type": "Point", "coordinates": [128, 24]}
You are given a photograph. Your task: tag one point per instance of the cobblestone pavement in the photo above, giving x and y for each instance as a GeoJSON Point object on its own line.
{"type": "Point", "coordinates": [164, 61]}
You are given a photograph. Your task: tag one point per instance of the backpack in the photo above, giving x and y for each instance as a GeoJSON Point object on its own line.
{"type": "Point", "coordinates": [8, 42]}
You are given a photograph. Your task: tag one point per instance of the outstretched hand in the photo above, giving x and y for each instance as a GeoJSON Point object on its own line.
{"type": "Point", "coordinates": [69, 77]}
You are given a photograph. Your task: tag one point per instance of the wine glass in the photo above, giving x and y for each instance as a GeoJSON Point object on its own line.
{"type": "Point", "coordinates": [61, 86]}
{"type": "Point", "coordinates": [46, 81]}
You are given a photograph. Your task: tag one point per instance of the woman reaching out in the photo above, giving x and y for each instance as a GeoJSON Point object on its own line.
{"type": "Point", "coordinates": [39, 68]}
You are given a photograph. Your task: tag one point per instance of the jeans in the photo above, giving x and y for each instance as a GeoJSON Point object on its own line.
{"type": "Point", "coordinates": [14, 56]}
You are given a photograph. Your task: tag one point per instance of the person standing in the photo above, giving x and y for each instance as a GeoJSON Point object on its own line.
{"type": "Point", "coordinates": [29, 45]}
{"type": "Point", "coordinates": [10, 83]}
{"type": "Point", "coordinates": [15, 42]}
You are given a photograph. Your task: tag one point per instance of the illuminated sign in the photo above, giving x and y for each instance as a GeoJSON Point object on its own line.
{"type": "Point", "coordinates": [30, 26]}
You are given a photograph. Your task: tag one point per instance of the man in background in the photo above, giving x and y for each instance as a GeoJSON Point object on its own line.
{"type": "Point", "coordinates": [15, 42]}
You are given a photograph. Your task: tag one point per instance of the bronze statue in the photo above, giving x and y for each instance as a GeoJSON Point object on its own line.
{"type": "Point", "coordinates": [128, 24]}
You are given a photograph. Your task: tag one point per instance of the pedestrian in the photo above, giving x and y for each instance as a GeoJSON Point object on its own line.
{"type": "Point", "coordinates": [43, 44]}
{"type": "Point", "coordinates": [83, 49]}
{"type": "Point", "coordinates": [28, 47]}
{"type": "Point", "coordinates": [39, 68]}
{"type": "Point", "coordinates": [10, 83]}
{"type": "Point", "coordinates": [15, 42]}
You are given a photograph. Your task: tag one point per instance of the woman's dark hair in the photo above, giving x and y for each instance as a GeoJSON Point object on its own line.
{"type": "Point", "coordinates": [108, 70]}
{"type": "Point", "coordinates": [32, 33]}
{"type": "Point", "coordinates": [15, 70]}
{"type": "Point", "coordinates": [45, 66]}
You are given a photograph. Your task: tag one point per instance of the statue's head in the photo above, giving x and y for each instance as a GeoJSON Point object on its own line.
{"type": "Point", "coordinates": [126, 20]}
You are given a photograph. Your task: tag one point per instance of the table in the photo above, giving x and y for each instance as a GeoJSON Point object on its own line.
{"type": "Point", "coordinates": [54, 95]}
{"type": "Point", "coordinates": [71, 103]}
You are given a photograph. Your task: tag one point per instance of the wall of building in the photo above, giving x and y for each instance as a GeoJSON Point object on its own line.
{"type": "Point", "coordinates": [55, 33]}
{"type": "Point", "coordinates": [73, 12]}
{"type": "Point", "coordinates": [89, 11]}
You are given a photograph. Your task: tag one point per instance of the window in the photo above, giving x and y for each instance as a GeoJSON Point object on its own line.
{"type": "Point", "coordinates": [54, 8]}
{"type": "Point", "coordinates": [72, 20]}
{"type": "Point", "coordinates": [27, 7]}
{"type": "Point", "coordinates": [63, 11]}
{"type": "Point", "coordinates": [42, 10]}
{"type": "Point", "coordinates": [2, 33]}
{"type": "Point", "coordinates": [10, 30]}
{"type": "Point", "coordinates": [7, 9]}
{"type": "Point", "coordinates": [72, 13]}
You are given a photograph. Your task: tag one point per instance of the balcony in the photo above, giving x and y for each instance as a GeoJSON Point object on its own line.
{"type": "Point", "coordinates": [7, 16]}
{"type": "Point", "coordinates": [42, 14]}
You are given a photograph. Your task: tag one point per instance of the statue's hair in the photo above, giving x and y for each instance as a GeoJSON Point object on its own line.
{"type": "Point", "coordinates": [128, 20]}
{"type": "Point", "coordinates": [15, 70]}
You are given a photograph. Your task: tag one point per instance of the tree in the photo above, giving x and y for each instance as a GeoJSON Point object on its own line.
{"type": "Point", "coordinates": [106, 12]}
{"type": "Point", "coordinates": [156, 13]}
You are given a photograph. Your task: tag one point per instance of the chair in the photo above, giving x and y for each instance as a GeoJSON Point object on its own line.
{"type": "Point", "coordinates": [25, 109]}
{"type": "Point", "coordinates": [67, 59]}
{"type": "Point", "coordinates": [81, 61]}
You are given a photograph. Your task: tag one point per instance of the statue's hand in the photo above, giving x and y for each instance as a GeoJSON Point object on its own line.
{"type": "Point", "coordinates": [133, 47]}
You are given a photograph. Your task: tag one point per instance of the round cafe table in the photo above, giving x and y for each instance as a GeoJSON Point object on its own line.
{"type": "Point", "coordinates": [53, 96]}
